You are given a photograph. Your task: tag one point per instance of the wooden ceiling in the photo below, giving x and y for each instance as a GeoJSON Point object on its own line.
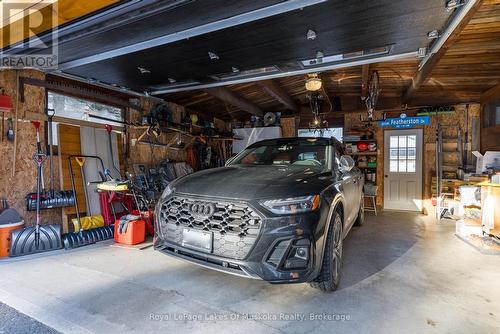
{"type": "Point", "coordinates": [15, 25]}
{"type": "Point", "coordinates": [468, 67]}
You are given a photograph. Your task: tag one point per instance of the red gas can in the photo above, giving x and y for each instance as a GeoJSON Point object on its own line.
{"type": "Point", "coordinates": [135, 233]}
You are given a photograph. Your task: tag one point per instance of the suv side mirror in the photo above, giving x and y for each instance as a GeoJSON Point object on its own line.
{"type": "Point", "coordinates": [346, 163]}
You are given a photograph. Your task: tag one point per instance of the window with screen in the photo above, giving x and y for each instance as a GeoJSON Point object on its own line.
{"type": "Point", "coordinates": [403, 154]}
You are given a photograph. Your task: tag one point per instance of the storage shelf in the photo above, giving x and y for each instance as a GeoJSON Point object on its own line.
{"type": "Point", "coordinates": [361, 140]}
{"type": "Point", "coordinates": [362, 153]}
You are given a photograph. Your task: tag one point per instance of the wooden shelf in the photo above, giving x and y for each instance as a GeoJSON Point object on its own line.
{"type": "Point", "coordinates": [362, 153]}
{"type": "Point", "coordinates": [361, 140]}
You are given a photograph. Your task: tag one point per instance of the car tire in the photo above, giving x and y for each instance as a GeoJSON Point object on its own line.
{"type": "Point", "coordinates": [329, 277]}
{"type": "Point", "coordinates": [360, 219]}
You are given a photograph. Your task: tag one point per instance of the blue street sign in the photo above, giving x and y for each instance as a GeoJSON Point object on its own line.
{"type": "Point", "coordinates": [404, 122]}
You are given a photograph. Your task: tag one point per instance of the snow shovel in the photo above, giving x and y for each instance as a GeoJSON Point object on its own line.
{"type": "Point", "coordinates": [89, 221]}
{"type": "Point", "coordinates": [52, 198]}
{"type": "Point", "coordinates": [84, 237]}
{"type": "Point", "coordinates": [38, 238]}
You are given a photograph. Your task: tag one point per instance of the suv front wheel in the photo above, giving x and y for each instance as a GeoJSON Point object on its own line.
{"type": "Point", "coordinates": [360, 220]}
{"type": "Point", "coordinates": [329, 277]}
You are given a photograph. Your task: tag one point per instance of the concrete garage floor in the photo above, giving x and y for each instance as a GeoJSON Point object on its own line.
{"type": "Point", "coordinates": [402, 273]}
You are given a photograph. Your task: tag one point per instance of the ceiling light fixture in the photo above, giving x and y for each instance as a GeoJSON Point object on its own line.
{"type": "Point", "coordinates": [452, 4]}
{"type": "Point", "coordinates": [311, 35]}
{"type": "Point", "coordinates": [433, 34]}
{"type": "Point", "coordinates": [313, 83]}
{"type": "Point", "coordinates": [143, 70]}
{"type": "Point", "coordinates": [422, 52]}
{"type": "Point", "coordinates": [213, 55]}
{"type": "Point", "coordinates": [319, 57]}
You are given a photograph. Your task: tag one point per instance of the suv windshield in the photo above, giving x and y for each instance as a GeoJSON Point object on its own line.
{"type": "Point", "coordinates": [305, 152]}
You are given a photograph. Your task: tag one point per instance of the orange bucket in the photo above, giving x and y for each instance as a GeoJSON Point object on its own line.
{"type": "Point", "coordinates": [5, 230]}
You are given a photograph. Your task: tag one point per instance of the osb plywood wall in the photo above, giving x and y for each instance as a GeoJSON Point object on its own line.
{"type": "Point", "coordinates": [153, 154]}
{"type": "Point", "coordinates": [450, 122]}
{"type": "Point", "coordinates": [15, 184]}
{"type": "Point", "coordinates": [289, 126]}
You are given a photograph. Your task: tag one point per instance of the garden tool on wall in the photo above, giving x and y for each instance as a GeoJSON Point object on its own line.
{"type": "Point", "coordinates": [38, 238]}
{"type": "Point", "coordinates": [109, 128]}
{"type": "Point", "coordinates": [81, 236]}
{"type": "Point", "coordinates": [52, 198]}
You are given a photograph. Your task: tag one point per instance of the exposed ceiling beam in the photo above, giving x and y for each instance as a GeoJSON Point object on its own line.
{"type": "Point", "coordinates": [491, 94]}
{"type": "Point", "coordinates": [254, 15]}
{"type": "Point", "coordinates": [226, 95]}
{"type": "Point", "coordinates": [365, 76]}
{"type": "Point", "coordinates": [439, 48]}
{"type": "Point", "coordinates": [274, 90]}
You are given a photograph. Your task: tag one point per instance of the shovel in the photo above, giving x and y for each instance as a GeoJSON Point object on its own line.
{"type": "Point", "coordinates": [38, 238]}
{"type": "Point", "coordinates": [84, 237]}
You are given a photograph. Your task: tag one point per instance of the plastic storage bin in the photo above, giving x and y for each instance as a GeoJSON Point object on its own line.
{"type": "Point", "coordinates": [5, 230]}
{"type": "Point", "coordinates": [135, 233]}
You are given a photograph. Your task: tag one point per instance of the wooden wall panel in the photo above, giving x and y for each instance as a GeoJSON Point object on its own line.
{"type": "Point", "coordinates": [490, 139]}
{"type": "Point", "coordinates": [288, 127]}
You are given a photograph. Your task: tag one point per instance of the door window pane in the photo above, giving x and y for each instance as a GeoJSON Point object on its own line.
{"type": "Point", "coordinates": [394, 154]}
{"type": "Point", "coordinates": [402, 141]}
{"type": "Point", "coordinates": [394, 141]}
{"type": "Point", "coordinates": [402, 166]}
{"type": "Point", "coordinates": [402, 153]}
{"type": "Point", "coordinates": [412, 141]}
{"type": "Point", "coordinates": [411, 166]}
{"type": "Point", "coordinates": [393, 167]}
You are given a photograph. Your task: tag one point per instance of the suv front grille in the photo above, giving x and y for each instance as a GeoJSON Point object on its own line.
{"type": "Point", "coordinates": [235, 225]}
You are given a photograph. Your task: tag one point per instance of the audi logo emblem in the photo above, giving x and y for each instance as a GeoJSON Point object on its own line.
{"type": "Point", "coordinates": [202, 210]}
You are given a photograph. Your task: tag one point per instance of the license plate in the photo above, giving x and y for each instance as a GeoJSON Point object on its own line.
{"type": "Point", "coordinates": [198, 240]}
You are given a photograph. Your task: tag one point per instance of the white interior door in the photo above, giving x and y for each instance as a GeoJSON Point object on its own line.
{"type": "Point", "coordinates": [403, 170]}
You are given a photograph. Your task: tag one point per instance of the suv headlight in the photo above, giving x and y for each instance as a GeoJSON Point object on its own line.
{"type": "Point", "coordinates": [168, 190]}
{"type": "Point", "coordinates": [292, 205]}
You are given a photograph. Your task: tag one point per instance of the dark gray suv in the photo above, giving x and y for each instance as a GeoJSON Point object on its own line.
{"type": "Point", "coordinates": [278, 211]}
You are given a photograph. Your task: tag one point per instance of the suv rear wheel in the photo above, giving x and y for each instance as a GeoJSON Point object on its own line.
{"type": "Point", "coordinates": [329, 277]}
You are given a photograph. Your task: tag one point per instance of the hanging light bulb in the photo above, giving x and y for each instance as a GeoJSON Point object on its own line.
{"type": "Point", "coordinates": [313, 83]}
